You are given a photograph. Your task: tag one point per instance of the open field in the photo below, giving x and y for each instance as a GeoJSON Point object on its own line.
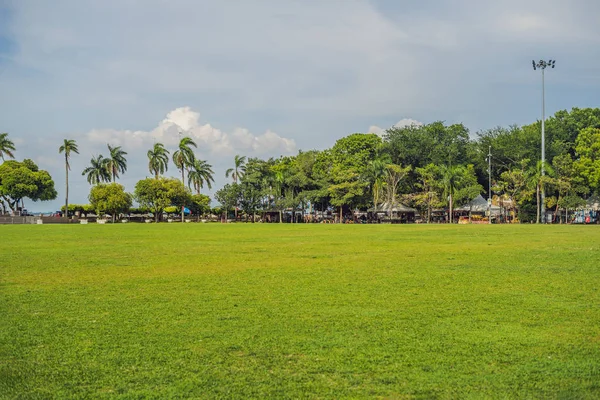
{"type": "Point", "coordinates": [290, 311]}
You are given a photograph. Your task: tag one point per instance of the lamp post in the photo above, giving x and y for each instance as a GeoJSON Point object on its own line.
{"type": "Point", "coordinates": [543, 65]}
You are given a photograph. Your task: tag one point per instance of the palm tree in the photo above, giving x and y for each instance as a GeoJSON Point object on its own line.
{"type": "Point", "coordinates": [69, 146]}
{"type": "Point", "coordinates": [376, 174]}
{"type": "Point", "coordinates": [450, 179]}
{"type": "Point", "coordinates": [200, 173]}
{"type": "Point", "coordinates": [116, 163]}
{"type": "Point", "coordinates": [158, 159]}
{"type": "Point", "coordinates": [183, 158]}
{"type": "Point", "coordinates": [6, 146]}
{"type": "Point", "coordinates": [239, 169]}
{"type": "Point", "coordinates": [537, 181]}
{"type": "Point", "coordinates": [97, 171]}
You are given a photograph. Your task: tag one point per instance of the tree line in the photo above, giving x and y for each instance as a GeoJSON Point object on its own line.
{"type": "Point", "coordinates": [428, 167]}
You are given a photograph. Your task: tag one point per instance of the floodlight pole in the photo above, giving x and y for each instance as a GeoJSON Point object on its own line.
{"type": "Point", "coordinates": [542, 65]}
{"type": "Point", "coordinates": [543, 194]}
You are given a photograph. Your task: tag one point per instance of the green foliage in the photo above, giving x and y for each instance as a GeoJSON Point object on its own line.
{"type": "Point", "coordinates": [97, 172]}
{"type": "Point", "coordinates": [238, 170]}
{"type": "Point", "coordinates": [587, 164]}
{"type": "Point", "coordinates": [201, 173]}
{"type": "Point", "coordinates": [7, 146]}
{"type": "Point", "coordinates": [110, 198]}
{"type": "Point", "coordinates": [116, 163]}
{"type": "Point", "coordinates": [24, 179]}
{"type": "Point", "coordinates": [228, 196]}
{"type": "Point", "coordinates": [436, 143]}
{"type": "Point", "coordinates": [199, 204]}
{"type": "Point", "coordinates": [157, 194]}
{"type": "Point", "coordinates": [184, 157]}
{"type": "Point", "coordinates": [158, 160]}
{"type": "Point", "coordinates": [82, 208]}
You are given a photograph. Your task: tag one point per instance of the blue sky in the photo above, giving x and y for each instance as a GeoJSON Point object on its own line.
{"type": "Point", "coordinates": [268, 77]}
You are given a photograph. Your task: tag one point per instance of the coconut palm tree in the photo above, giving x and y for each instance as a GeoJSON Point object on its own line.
{"type": "Point", "coordinates": [69, 146]}
{"type": "Point", "coordinates": [97, 171]}
{"type": "Point", "coordinates": [239, 169]}
{"type": "Point", "coordinates": [116, 162]}
{"type": "Point", "coordinates": [183, 158]}
{"type": "Point", "coordinates": [450, 180]}
{"type": "Point", "coordinates": [376, 174]}
{"type": "Point", "coordinates": [158, 159]}
{"type": "Point", "coordinates": [200, 173]}
{"type": "Point", "coordinates": [6, 146]}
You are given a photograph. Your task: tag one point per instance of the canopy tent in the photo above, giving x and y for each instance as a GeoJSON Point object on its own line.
{"type": "Point", "coordinates": [396, 208]}
{"type": "Point", "coordinates": [478, 205]}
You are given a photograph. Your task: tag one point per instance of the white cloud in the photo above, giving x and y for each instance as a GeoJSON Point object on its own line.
{"type": "Point", "coordinates": [184, 121]}
{"type": "Point", "coordinates": [403, 123]}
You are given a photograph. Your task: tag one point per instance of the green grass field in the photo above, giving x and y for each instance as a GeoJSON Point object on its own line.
{"type": "Point", "coordinates": [299, 311]}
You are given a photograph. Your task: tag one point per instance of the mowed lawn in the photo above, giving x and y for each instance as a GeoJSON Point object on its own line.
{"type": "Point", "coordinates": [299, 311]}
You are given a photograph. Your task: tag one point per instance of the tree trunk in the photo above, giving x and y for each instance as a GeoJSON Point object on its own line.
{"type": "Point", "coordinates": [429, 209]}
{"type": "Point", "coordinates": [537, 190]}
{"type": "Point", "coordinates": [341, 208]}
{"type": "Point", "coordinates": [451, 209]}
{"type": "Point", "coordinates": [183, 182]}
{"type": "Point", "coordinates": [66, 187]}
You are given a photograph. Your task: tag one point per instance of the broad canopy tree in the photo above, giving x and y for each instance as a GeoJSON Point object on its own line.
{"type": "Point", "coordinates": [24, 179]}
{"type": "Point", "coordinates": [157, 194]}
{"type": "Point", "coordinates": [110, 198]}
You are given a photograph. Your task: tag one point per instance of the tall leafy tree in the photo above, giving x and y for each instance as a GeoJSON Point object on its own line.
{"type": "Point", "coordinates": [158, 160]}
{"type": "Point", "coordinates": [569, 186]}
{"type": "Point", "coordinates": [201, 173]}
{"type": "Point", "coordinates": [376, 175]}
{"type": "Point", "coordinates": [450, 178]}
{"type": "Point", "coordinates": [345, 167]}
{"type": "Point", "coordinates": [394, 174]}
{"type": "Point", "coordinates": [97, 171]}
{"type": "Point", "coordinates": [228, 196]}
{"type": "Point", "coordinates": [184, 158]}
{"type": "Point", "coordinates": [6, 146]}
{"type": "Point", "coordinates": [109, 198]}
{"type": "Point", "coordinates": [157, 194]}
{"type": "Point", "coordinates": [238, 170]}
{"type": "Point", "coordinates": [587, 161]}
{"type": "Point", "coordinates": [428, 197]}
{"type": "Point", "coordinates": [514, 183]}
{"type": "Point", "coordinates": [69, 146]}
{"type": "Point", "coordinates": [24, 179]}
{"type": "Point", "coordinates": [116, 162]}
{"type": "Point", "coordinates": [537, 182]}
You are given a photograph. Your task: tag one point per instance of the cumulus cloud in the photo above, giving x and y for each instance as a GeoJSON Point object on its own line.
{"type": "Point", "coordinates": [185, 121]}
{"type": "Point", "coordinates": [403, 123]}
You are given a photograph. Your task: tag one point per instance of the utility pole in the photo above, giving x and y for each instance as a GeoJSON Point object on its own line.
{"type": "Point", "coordinates": [542, 65]}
